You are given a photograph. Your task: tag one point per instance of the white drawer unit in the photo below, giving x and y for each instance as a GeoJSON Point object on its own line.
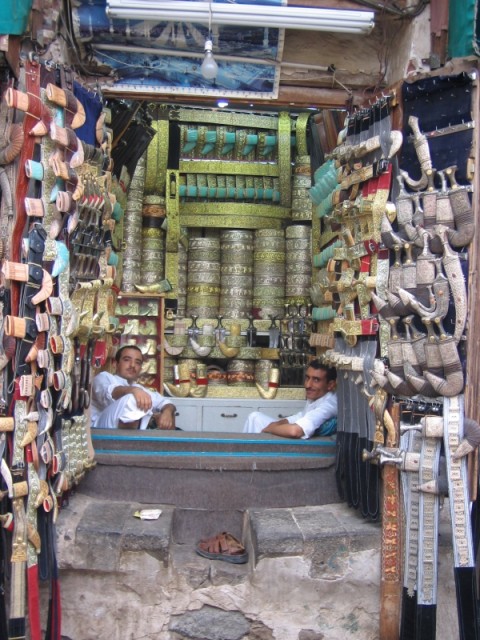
{"type": "Point", "coordinates": [228, 416]}
{"type": "Point", "coordinates": [277, 410]}
{"type": "Point", "coordinates": [188, 415]}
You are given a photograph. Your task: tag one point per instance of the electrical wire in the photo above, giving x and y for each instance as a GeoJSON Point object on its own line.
{"type": "Point", "coordinates": [65, 17]}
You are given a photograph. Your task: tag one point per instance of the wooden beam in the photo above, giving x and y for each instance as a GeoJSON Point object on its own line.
{"type": "Point", "coordinates": [315, 97]}
{"type": "Point", "coordinates": [328, 4]}
{"type": "Point", "coordinates": [290, 97]}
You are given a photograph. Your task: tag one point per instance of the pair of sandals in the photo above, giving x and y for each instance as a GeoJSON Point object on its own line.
{"type": "Point", "coordinates": [223, 546]}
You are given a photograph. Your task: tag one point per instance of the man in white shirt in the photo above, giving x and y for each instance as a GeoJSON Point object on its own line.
{"type": "Point", "coordinates": [321, 406]}
{"type": "Point", "coordinates": [119, 402]}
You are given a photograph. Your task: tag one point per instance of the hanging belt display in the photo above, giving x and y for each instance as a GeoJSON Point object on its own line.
{"type": "Point", "coordinates": [57, 247]}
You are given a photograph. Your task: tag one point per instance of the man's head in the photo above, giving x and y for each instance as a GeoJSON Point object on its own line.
{"type": "Point", "coordinates": [319, 380]}
{"type": "Point", "coordinates": [129, 362]}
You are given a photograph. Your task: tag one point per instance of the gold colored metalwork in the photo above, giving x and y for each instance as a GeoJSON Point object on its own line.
{"type": "Point", "coordinates": [152, 232]}
{"type": "Point", "coordinates": [321, 240]}
{"type": "Point", "coordinates": [202, 300]}
{"type": "Point", "coordinates": [205, 255]}
{"type": "Point", "coordinates": [301, 133]}
{"type": "Point", "coordinates": [202, 289]}
{"type": "Point", "coordinates": [217, 209]}
{"type": "Point", "coordinates": [268, 281]}
{"type": "Point", "coordinates": [157, 157]}
{"type": "Point", "coordinates": [201, 133]}
{"type": "Point", "coordinates": [283, 393]}
{"type": "Point", "coordinates": [236, 235]}
{"type": "Point", "coordinates": [270, 244]}
{"type": "Point", "coordinates": [220, 141]}
{"type": "Point", "coordinates": [269, 257]}
{"type": "Point", "coordinates": [212, 182]}
{"type": "Point", "coordinates": [225, 118]}
{"type": "Point", "coordinates": [172, 272]}
{"type": "Point", "coordinates": [269, 233]}
{"type": "Point", "coordinates": [252, 221]}
{"type": "Point", "coordinates": [284, 158]}
{"type": "Point", "coordinates": [231, 168]}
{"type": "Point", "coordinates": [173, 217]}
{"type": "Point", "coordinates": [240, 142]}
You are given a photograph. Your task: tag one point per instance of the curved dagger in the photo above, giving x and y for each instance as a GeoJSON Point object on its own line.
{"type": "Point", "coordinates": [273, 381]}
{"type": "Point", "coordinates": [172, 351]}
{"type": "Point", "coordinates": [419, 383]}
{"type": "Point", "coordinates": [423, 154]}
{"type": "Point", "coordinates": [462, 212]}
{"type": "Point", "coordinates": [453, 269]}
{"type": "Point", "coordinates": [199, 350]}
{"type": "Point", "coordinates": [440, 296]}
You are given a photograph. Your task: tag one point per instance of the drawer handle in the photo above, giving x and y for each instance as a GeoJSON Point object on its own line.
{"type": "Point", "coordinates": [177, 413]}
{"type": "Point", "coordinates": [281, 415]}
{"type": "Point", "coordinates": [229, 415]}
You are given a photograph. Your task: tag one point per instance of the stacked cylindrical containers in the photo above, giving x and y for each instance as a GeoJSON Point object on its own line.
{"type": "Point", "coordinates": [203, 277]}
{"type": "Point", "coordinates": [182, 281]}
{"type": "Point", "coordinates": [298, 264]}
{"type": "Point", "coordinates": [268, 273]}
{"type": "Point", "coordinates": [241, 373]}
{"type": "Point", "coordinates": [132, 254]}
{"type": "Point", "coordinates": [301, 202]}
{"type": "Point", "coordinates": [236, 273]}
{"type": "Point", "coordinates": [153, 240]}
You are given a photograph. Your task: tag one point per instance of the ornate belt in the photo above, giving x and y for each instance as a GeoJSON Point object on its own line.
{"type": "Point", "coordinates": [428, 522]}
{"type": "Point", "coordinates": [458, 485]}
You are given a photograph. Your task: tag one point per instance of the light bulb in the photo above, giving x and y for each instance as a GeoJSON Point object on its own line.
{"type": "Point", "coordinates": [209, 67]}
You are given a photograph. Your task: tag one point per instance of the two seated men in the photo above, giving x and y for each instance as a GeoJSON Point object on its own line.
{"type": "Point", "coordinates": [118, 401]}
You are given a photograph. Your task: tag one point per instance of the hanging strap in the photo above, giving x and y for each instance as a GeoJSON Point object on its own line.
{"type": "Point", "coordinates": [427, 569]}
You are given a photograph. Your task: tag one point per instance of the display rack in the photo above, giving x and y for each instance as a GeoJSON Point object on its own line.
{"type": "Point", "coordinates": [141, 316]}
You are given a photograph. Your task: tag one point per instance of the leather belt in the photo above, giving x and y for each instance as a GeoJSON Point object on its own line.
{"type": "Point", "coordinates": [390, 585]}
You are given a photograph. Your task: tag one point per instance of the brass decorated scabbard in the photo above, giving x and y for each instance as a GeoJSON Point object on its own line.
{"type": "Point", "coordinates": [172, 272]}
{"type": "Point", "coordinates": [157, 157]}
{"type": "Point", "coordinates": [358, 250]}
{"type": "Point", "coordinates": [284, 158]}
{"type": "Point", "coordinates": [355, 327]}
{"type": "Point", "coordinates": [173, 217]}
{"type": "Point", "coordinates": [301, 133]}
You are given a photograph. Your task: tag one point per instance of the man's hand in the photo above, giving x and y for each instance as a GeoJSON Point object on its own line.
{"type": "Point", "coordinates": [166, 418]}
{"type": "Point", "coordinates": [142, 398]}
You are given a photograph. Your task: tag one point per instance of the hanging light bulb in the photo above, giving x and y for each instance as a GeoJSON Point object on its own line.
{"type": "Point", "coordinates": [209, 67]}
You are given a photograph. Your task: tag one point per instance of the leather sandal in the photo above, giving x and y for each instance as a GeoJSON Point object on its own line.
{"type": "Point", "coordinates": [224, 546]}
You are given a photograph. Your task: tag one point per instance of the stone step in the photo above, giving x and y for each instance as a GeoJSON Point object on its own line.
{"type": "Point", "coordinates": [208, 471]}
{"type": "Point", "coordinates": [186, 448]}
{"type": "Point", "coordinates": [100, 531]}
{"type": "Point", "coordinates": [210, 488]}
